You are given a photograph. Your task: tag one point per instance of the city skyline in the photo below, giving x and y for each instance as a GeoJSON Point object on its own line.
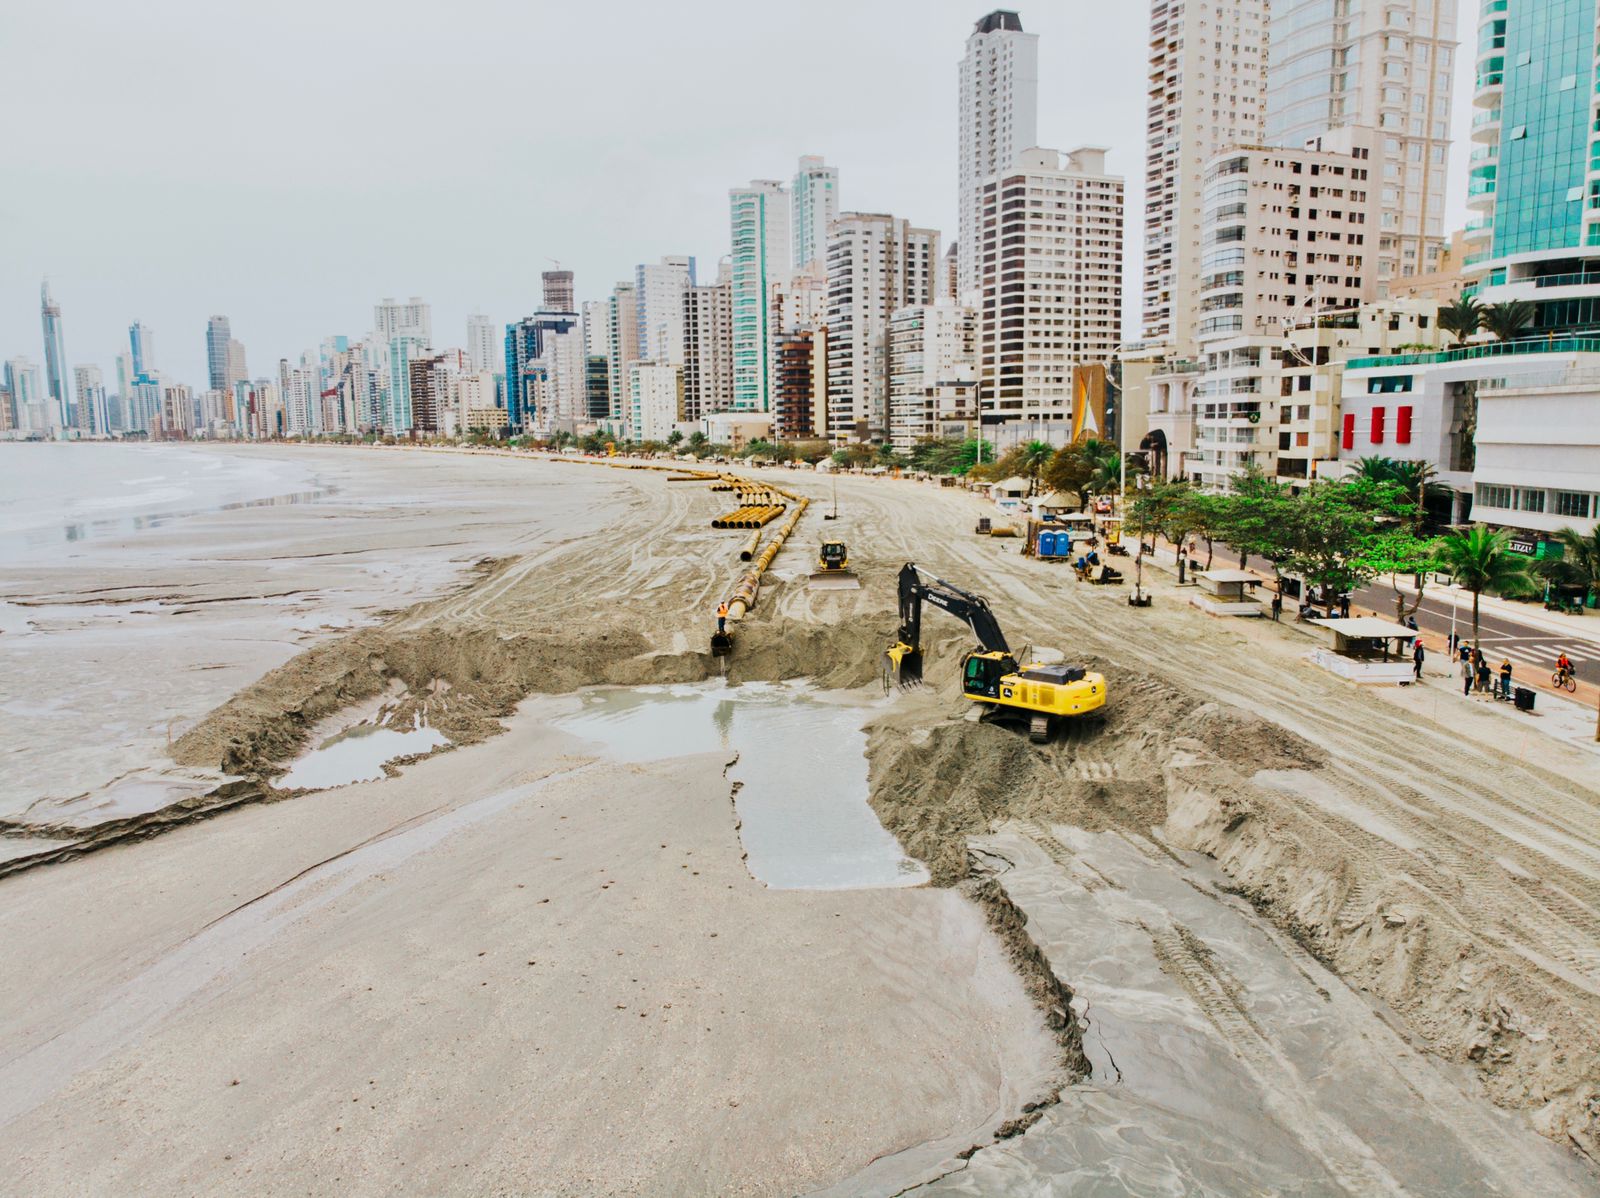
{"type": "Point", "coordinates": [111, 262]}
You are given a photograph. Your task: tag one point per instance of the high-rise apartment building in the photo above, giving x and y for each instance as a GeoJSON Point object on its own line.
{"type": "Point", "coordinates": [414, 318]}
{"type": "Point", "coordinates": [560, 295]}
{"type": "Point", "coordinates": [89, 386]}
{"type": "Point", "coordinates": [1386, 66]}
{"type": "Point", "coordinates": [759, 226]}
{"type": "Point", "coordinates": [237, 370]}
{"type": "Point", "coordinates": [655, 395]}
{"type": "Point", "coordinates": [529, 348]}
{"type": "Point", "coordinates": [1051, 281]}
{"type": "Point", "coordinates": [999, 118]}
{"type": "Point", "coordinates": [800, 392]}
{"type": "Point", "coordinates": [623, 326]}
{"type": "Point", "coordinates": [659, 287]}
{"type": "Point", "coordinates": [1208, 81]}
{"type": "Point", "coordinates": [29, 400]}
{"type": "Point", "coordinates": [218, 336]}
{"type": "Point", "coordinates": [141, 343]}
{"type": "Point", "coordinates": [815, 197]}
{"type": "Point", "coordinates": [483, 350]}
{"type": "Point", "coordinates": [877, 264]}
{"type": "Point", "coordinates": [933, 373]}
{"type": "Point", "coordinates": [55, 357]}
{"type": "Point", "coordinates": [597, 348]}
{"type": "Point", "coordinates": [707, 350]}
{"type": "Point", "coordinates": [1288, 239]}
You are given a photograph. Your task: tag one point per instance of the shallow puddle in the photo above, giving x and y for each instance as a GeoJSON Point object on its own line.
{"type": "Point", "coordinates": [803, 807]}
{"type": "Point", "coordinates": [358, 755]}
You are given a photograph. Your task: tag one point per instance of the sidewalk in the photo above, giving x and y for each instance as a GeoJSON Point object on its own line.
{"type": "Point", "coordinates": [1570, 718]}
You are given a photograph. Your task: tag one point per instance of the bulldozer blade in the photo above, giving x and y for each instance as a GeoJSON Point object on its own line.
{"type": "Point", "coordinates": [835, 580]}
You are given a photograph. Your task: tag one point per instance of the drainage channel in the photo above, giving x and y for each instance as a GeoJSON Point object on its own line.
{"type": "Point", "coordinates": [802, 805]}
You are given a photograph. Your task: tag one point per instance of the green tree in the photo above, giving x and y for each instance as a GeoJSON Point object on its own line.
{"type": "Point", "coordinates": [1326, 532]}
{"type": "Point", "coordinates": [675, 437]}
{"type": "Point", "coordinates": [1481, 559]}
{"type": "Point", "coordinates": [1579, 564]}
{"type": "Point", "coordinates": [1034, 458]}
{"type": "Point", "coordinates": [1395, 552]}
{"type": "Point", "coordinates": [1507, 321]}
{"type": "Point", "coordinates": [1462, 318]}
{"type": "Point", "coordinates": [1375, 469]}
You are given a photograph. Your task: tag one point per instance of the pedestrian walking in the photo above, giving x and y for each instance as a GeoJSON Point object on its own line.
{"type": "Point", "coordinates": [1483, 675]}
{"type": "Point", "coordinates": [1464, 653]}
{"type": "Point", "coordinates": [1416, 659]}
{"type": "Point", "coordinates": [722, 616]}
{"type": "Point", "coordinates": [1344, 607]}
{"type": "Point", "coordinates": [1277, 605]}
{"type": "Point", "coordinates": [1466, 677]}
{"type": "Point", "coordinates": [1455, 643]}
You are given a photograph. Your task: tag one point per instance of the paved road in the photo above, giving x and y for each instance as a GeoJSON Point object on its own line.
{"type": "Point", "coordinates": [1531, 648]}
{"type": "Point", "coordinates": [1525, 644]}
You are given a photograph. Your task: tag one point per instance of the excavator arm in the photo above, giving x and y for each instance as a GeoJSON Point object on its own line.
{"type": "Point", "coordinates": [905, 656]}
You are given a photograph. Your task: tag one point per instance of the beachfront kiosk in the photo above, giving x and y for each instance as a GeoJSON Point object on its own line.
{"type": "Point", "coordinates": [1226, 593]}
{"type": "Point", "coordinates": [1367, 649]}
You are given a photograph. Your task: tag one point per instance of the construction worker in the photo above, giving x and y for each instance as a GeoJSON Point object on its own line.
{"type": "Point", "coordinates": [722, 616]}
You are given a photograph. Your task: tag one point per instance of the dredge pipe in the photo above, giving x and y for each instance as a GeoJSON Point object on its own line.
{"type": "Point", "coordinates": [744, 595]}
{"type": "Point", "coordinates": [749, 551]}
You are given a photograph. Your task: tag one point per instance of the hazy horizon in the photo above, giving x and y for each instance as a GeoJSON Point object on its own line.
{"type": "Point", "coordinates": [290, 167]}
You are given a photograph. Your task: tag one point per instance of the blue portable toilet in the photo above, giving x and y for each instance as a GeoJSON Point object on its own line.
{"type": "Point", "coordinates": [1047, 544]}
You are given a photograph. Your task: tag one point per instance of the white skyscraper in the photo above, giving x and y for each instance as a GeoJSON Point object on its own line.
{"type": "Point", "coordinates": [660, 287]}
{"type": "Point", "coordinates": [999, 118]}
{"type": "Point", "coordinates": [877, 264]}
{"type": "Point", "coordinates": [1208, 80]}
{"type": "Point", "coordinates": [815, 195]}
{"type": "Point", "coordinates": [483, 344]}
{"type": "Point", "coordinates": [1380, 66]}
{"type": "Point", "coordinates": [90, 389]}
{"type": "Point", "coordinates": [759, 227]}
{"type": "Point", "coordinates": [1052, 298]}
{"type": "Point", "coordinates": [407, 332]}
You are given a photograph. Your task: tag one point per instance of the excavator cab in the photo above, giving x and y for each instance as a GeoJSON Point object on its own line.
{"type": "Point", "coordinates": [981, 674]}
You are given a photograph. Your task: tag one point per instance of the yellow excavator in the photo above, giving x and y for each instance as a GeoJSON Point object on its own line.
{"type": "Point", "coordinates": [1041, 694]}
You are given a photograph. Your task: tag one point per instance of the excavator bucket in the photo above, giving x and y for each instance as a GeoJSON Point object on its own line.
{"type": "Point", "coordinates": [903, 665]}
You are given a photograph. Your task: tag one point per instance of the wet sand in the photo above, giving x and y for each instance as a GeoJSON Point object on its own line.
{"type": "Point", "coordinates": [126, 629]}
{"type": "Point", "coordinates": [508, 970]}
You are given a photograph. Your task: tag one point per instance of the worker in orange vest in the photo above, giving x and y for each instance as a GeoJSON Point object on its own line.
{"type": "Point", "coordinates": [722, 616]}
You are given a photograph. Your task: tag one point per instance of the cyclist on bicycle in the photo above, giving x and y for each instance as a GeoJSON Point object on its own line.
{"type": "Point", "coordinates": [1563, 667]}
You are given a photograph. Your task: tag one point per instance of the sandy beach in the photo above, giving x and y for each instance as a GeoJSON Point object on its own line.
{"type": "Point", "coordinates": [534, 963]}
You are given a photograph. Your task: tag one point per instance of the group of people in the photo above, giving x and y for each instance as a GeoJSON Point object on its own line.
{"type": "Point", "coordinates": [1476, 674]}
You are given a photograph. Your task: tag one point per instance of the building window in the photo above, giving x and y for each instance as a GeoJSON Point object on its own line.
{"type": "Point", "coordinates": [1572, 503]}
{"type": "Point", "coordinates": [1388, 384]}
{"type": "Point", "coordinates": [1490, 495]}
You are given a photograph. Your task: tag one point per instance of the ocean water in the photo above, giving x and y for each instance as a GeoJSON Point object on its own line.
{"type": "Point", "coordinates": [55, 497]}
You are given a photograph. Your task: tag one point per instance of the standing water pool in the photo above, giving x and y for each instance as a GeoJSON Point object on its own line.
{"type": "Point", "coordinates": [802, 761]}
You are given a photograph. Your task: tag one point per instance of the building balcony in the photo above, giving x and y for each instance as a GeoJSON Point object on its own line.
{"type": "Point", "coordinates": [1471, 353]}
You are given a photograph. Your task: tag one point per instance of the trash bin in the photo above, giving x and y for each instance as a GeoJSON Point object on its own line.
{"type": "Point", "coordinates": [1523, 696]}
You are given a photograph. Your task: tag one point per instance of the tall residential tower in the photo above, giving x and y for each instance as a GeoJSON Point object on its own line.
{"type": "Point", "coordinates": [815, 193]}
{"type": "Point", "coordinates": [759, 228]}
{"type": "Point", "coordinates": [1208, 79]}
{"type": "Point", "coordinates": [999, 118]}
{"type": "Point", "coordinates": [55, 357]}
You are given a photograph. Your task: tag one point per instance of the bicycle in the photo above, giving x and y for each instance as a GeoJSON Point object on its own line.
{"type": "Point", "coordinates": [1564, 680]}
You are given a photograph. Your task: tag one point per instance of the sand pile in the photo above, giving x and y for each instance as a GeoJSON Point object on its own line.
{"type": "Point", "coordinates": [1168, 765]}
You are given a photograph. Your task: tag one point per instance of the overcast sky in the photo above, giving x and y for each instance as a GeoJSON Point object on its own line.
{"type": "Point", "coordinates": [288, 164]}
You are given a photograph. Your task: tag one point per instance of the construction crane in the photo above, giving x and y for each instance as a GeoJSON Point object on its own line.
{"type": "Point", "coordinates": [1041, 693]}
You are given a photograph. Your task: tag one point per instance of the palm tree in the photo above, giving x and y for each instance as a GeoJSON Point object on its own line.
{"type": "Point", "coordinates": [1481, 559]}
{"type": "Point", "coordinates": [1376, 469]}
{"type": "Point", "coordinates": [1581, 553]}
{"type": "Point", "coordinates": [1035, 456]}
{"type": "Point", "coordinates": [1461, 318]}
{"type": "Point", "coordinates": [1420, 482]}
{"type": "Point", "coordinates": [1506, 321]}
